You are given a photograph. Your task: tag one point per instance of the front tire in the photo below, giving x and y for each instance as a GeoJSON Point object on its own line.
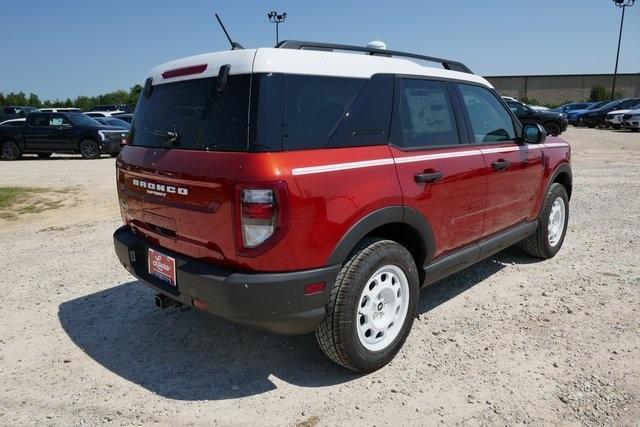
{"type": "Point", "coordinates": [11, 151]}
{"type": "Point", "coordinates": [552, 224]}
{"type": "Point", "coordinates": [89, 149]}
{"type": "Point", "coordinates": [371, 306]}
{"type": "Point", "coordinates": [552, 128]}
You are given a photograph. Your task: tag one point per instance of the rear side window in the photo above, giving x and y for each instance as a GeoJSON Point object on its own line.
{"type": "Point", "coordinates": [39, 120]}
{"type": "Point", "coordinates": [489, 119]}
{"type": "Point", "coordinates": [424, 116]}
{"type": "Point", "coordinates": [313, 108]}
{"type": "Point", "coordinates": [202, 117]}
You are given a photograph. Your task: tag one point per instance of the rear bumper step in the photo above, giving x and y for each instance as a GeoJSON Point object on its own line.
{"type": "Point", "coordinates": [272, 301]}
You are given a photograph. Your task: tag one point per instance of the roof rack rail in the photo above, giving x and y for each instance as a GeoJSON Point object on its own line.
{"type": "Point", "coordinates": [330, 47]}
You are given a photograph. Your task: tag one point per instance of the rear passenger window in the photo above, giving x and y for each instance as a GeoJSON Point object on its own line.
{"type": "Point", "coordinates": [314, 107]}
{"type": "Point", "coordinates": [489, 119]}
{"type": "Point", "coordinates": [424, 116]}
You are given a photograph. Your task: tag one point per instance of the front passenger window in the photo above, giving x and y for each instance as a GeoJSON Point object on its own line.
{"type": "Point", "coordinates": [489, 119]}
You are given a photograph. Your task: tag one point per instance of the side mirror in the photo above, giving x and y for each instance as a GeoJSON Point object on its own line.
{"type": "Point", "coordinates": [534, 134]}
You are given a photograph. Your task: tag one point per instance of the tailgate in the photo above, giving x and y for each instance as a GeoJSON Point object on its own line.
{"type": "Point", "coordinates": [181, 199]}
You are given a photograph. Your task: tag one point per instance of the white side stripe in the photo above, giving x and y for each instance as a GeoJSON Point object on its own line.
{"type": "Point", "coordinates": [341, 166]}
{"type": "Point", "coordinates": [556, 144]}
{"type": "Point", "coordinates": [410, 159]}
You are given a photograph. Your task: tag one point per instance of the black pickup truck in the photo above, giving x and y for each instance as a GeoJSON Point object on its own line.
{"type": "Point", "coordinates": [553, 122]}
{"type": "Point", "coordinates": [47, 133]}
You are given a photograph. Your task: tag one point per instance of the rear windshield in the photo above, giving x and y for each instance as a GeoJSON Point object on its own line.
{"type": "Point", "coordinates": [194, 112]}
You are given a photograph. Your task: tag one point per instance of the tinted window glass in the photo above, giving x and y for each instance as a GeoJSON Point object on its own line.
{"type": "Point", "coordinates": [202, 117]}
{"type": "Point", "coordinates": [489, 119]}
{"type": "Point", "coordinates": [424, 115]}
{"type": "Point", "coordinates": [313, 108]}
{"type": "Point", "coordinates": [367, 121]}
{"type": "Point", "coordinates": [266, 112]}
{"type": "Point", "coordinates": [38, 120]}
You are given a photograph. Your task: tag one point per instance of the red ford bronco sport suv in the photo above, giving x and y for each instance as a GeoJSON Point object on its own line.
{"type": "Point", "coordinates": [317, 187]}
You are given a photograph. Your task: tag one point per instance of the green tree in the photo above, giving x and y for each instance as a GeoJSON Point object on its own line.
{"type": "Point", "coordinates": [34, 101]}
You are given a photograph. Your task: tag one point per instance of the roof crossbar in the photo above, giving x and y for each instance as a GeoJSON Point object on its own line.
{"type": "Point", "coordinates": [330, 47]}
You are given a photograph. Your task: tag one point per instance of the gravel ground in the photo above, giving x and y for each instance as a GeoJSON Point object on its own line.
{"type": "Point", "coordinates": [510, 340]}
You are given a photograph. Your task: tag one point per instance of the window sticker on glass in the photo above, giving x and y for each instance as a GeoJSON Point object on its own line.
{"type": "Point", "coordinates": [56, 121]}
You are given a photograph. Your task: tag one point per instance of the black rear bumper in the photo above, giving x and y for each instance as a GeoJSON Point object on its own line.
{"type": "Point", "coordinates": [272, 301]}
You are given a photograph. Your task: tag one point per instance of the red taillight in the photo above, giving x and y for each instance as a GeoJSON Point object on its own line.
{"type": "Point", "coordinates": [124, 140]}
{"type": "Point", "coordinates": [258, 216]}
{"type": "Point", "coordinates": [199, 304]}
{"type": "Point", "coordinates": [314, 288]}
{"type": "Point", "coordinates": [184, 71]}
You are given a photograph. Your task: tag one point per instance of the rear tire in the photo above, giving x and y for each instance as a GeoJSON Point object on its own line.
{"type": "Point", "coordinates": [89, 149]}
{"type": "Point", "coordinates": [11, 151]}
{"type": "Point", "coordinates": [371, 306]}
{"type": "Point", "coordinates": [552, 224]}
{"type": "Point", "coordinates": [44, 155]}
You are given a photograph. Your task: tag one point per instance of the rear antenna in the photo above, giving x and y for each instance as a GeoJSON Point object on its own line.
{"type": "Point", "coordinates": [234, 45]}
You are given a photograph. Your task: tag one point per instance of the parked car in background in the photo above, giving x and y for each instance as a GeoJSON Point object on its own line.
{"type": "Point", "coordinates": [631, 120]}
{"type": "Point", "coordinates": [614, 118]}
{"type": "Point", "coordinates": [575, 116]}
{"type": "Point", "coordinates": [101, 113]}
{"type": "Point", "coordinates": [15, 112]}
{"type": "Point", "coordinates": [596, 117]}
{"type": "Point", "coordinates": [60, 110]}
{"type": "Point", "coordinates": [553, 122]}
{"type": "Point", "coordinates": [127, 117]}
{"type": "Point", "coordinates": [113, 108]}
{"type": "Point", "coordinates": [13, 122]}
{"type": "Point", "coordinates": [535, 107]}
{"type": "Point", "coordinates": [571, 106]}
{"type": "Point", "coordinates": [113, 121]}
{"type": "Point", "coordinates": [47, 133]}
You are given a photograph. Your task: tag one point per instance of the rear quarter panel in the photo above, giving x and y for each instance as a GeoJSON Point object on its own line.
{"type": "Point", "coordinates": [556, 152]}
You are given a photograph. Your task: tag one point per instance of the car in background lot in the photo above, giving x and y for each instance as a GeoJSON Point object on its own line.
{"type": "Point", "coordinates": [15, 112]}
{"type": "Point", "coordinates": [101, 113]}
{"type": "Point", "coordinates": [571, 106]}
{"type": "Point", "coordinates": [47, 133]}
{"type": "Point", "coordinates": [127, 117]}
{"type": "Point", "coordinates": [631, 120]}
{"type": "Point", "coordinates": [596, 117]}
{"type": "Point", "coordinates": [60, 110]}
{"type": "Point", "coordinates": [113, 108]}
{"type": "Point", "coordinates": [575, 116]}
{"type": "Point", "coordinates": [535, 107]}
{"type": "Point", "coordinates": [553, 122]}
{"type": "Point", "coordinates": [614, 118]}
{"type": "Point", "coordinates": [113, 121]}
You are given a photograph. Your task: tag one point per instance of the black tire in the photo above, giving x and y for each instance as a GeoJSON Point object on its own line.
{"type": "Point", "coordinates": [537, 244]}
{"type": "Point", "coordinates": [337, 334]}
{"type": "Point", "coordinates": [44, 155]}
{"type": "Point", "coordinates": [11, 151]}
{"type": "Point", "coordinates": [616, 127]}
{"type": "Point", "coordinates": [552, 128]}
{"type": "Point", "coordinates": [89, 149]}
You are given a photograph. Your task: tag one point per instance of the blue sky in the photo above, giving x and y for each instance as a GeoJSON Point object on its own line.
{"type": "Point", "coordinates": [66, 48]}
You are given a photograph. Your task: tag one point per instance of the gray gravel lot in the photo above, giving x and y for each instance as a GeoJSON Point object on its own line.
{"type": "Point", "coordinates": [508, 340]}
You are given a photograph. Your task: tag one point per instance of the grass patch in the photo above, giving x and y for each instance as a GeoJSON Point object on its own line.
{"type": "Point", "coordinates": [15, 201]}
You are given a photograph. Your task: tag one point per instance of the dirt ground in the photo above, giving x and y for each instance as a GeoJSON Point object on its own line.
{"type": "Point", "coordinates": [510, 340]}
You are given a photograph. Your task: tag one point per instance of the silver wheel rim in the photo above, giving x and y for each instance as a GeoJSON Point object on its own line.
{"type": "Point", "coordinates": [382, 308]}
{"type": "Point", "coordinates": [556, 221]}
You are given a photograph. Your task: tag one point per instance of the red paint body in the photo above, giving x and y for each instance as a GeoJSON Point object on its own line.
{"type": "Point", "coordinates": [471, 202]}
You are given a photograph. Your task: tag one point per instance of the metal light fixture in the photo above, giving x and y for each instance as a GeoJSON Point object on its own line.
{"type": "Point", "coordinates": [623, 4]}
{"type": "Point", "coordinates": [278, 18]}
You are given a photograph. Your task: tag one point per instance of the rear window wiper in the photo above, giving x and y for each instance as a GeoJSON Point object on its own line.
{"type": "Point", "coordinates": [170, 136]}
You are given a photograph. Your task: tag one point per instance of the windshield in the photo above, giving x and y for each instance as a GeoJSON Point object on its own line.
{"type": "Point", "coordinates": [609, 105]}
{"type": "Point", "coordinates": [117, 122]}
{"type": "Point", "coordinates": [202, 117]}
{"type": "Point", "coordinates": [80, 119]}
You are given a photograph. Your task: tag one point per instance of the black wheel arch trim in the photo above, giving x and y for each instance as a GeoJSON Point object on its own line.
{"type": "Point", "coordinates": [562, 168]}
{"type": "Point", "coordinates": [378, 218]}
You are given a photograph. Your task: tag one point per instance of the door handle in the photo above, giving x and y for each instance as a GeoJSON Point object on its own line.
{"type": "Point", "coordinates": [500, 164]}
{"type": "Point", "coordinates": [428, 177]}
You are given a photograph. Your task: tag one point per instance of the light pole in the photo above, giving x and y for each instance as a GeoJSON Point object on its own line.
{"type": "Point", "coordinates": [278, 18]}
{"type": "Point", "coordinates": [623, 4]}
